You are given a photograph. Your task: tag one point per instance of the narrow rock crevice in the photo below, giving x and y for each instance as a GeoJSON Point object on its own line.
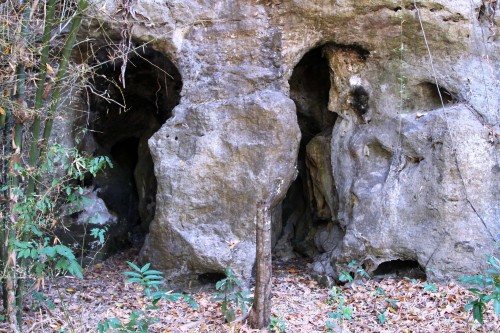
{"type": "Point", "coordinates": [311, 199]}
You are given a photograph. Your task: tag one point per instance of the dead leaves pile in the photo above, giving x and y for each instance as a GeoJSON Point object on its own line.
{"type": "Point", "coordinates": [298, 301]}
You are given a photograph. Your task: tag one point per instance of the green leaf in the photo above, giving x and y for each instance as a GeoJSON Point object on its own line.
{"type": "Point", "coordinates": [114, 322]}
{"type": "Point", "coordinates": [477, 312]}
{"type": "Point", "coordinates": [24, 253]}
{"type": "Point", "coordinates": [380, 291]}
{"type": "Point", "coordinates": [477, 279]}
{"type": "Point", "coordinates": [103, 326]}
{"type": "Point", "coordinates": [153, 272]}
{"type": "Point", "coordinates": [36, 231]}
{"type": "Point", "coordinates": [134, 266]}
{"type": "Point", "coordinates": [392, 302]}
{"type": "Point", "coordinates": [22, 245]}
{"type": "Point", "coordinates": [346, 277]}
{"type": "Point", "coordinates": [133, 274]}
{"type": "Point", "coordinates": [496, 306]}
{"type": "Point", "coordinates": [189, 300]}
{"type": "Point", "coordinates": [145, 267]}
{"type": "Point", "coordinates": [469, 306]}
{"type": "Point", "coordinates": [153, 277]}
{"type": "Point", "coordinates": [154, 283]}
{"type": "Point", "coordinates": [62, 264]}
{"type": "Point", "coordinates": [430, 287]}
{"type": "Point", "coordinates": [75, 269]}
{"type": "Point", "coordinates": [65, 252]}
{"type": "Point", "coordinates": [48, 251]}
{"type": "Point", "coordinates": [134, 280]}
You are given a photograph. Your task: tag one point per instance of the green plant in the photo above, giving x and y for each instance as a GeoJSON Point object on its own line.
{"type": "Point", "coordinates": [232, 296]}
{"type": "Point", "coordinates": [98, 234]}
{"type": "Point", "coordinates": [488, 289]}
{"type": "Point", "coordinates": [140, 320]}
{"type": "Point", "coordinates": [430, 287]}
{"type": "Point", "coordinates": [381, 316]}
{"type": "Point", "coordinates": [40, 300]}
{"type": "Point", "coordinates": [354, 271]}
{"type": "Point", "coordinates": [31, 94]}
{"type": "Point", "coordinates": [277, 324]}
{"type": "Point", "coordinates": [149, 279]}
{"type": "Point", "coordinates": [388, 303]}
{"type": "Point", "coordinates": [31, 240]}
{"type": "Point", "coordinates": [341, 311]}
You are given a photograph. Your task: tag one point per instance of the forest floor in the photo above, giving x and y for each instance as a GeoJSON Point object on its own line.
{"type": "Point", "coordinates": [298, 302]}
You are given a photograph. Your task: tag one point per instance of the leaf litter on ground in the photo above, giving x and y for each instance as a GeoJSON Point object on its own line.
{"type": "Point", "coordinates": [68, 304]}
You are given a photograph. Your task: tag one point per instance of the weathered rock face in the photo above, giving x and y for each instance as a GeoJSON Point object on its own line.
{"type": "Point", "coordinates": [411, 171]}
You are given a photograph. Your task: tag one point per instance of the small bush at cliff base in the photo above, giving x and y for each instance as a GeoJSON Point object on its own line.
{"type": "Point", "coordinates": [140, 321]}
{"type": "Point", "coordinates": [277, 324]}
{"type": "Point", "coordinates": [488, 290]}
{"type": "Point", "coordinates": [341, 311]}
{"type": "Point", "coordinates": [232, 296]}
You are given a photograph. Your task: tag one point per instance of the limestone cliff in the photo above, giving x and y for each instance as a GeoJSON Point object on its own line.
{"type": "Point", "coordinates": [385, 113]}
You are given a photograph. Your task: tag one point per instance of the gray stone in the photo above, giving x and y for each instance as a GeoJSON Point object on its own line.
{"type": "Point", "coordinates": [81, 217]}
{"type": "Point", "coordinates": [410, 179]}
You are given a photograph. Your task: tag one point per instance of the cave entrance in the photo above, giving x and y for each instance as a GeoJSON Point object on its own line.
{"type": "Point", "coordinates": [311, 199]}
{"type": "Point", "coordinates": [123, 116]}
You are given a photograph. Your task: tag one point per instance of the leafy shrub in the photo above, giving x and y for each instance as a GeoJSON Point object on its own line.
{"type": "Point", "coordinates": [140, 321]}
{"type": "Point", "coordinates": [341, 310]}
{"type": "Point", "coordinates": [232, 296]}
{"type": "Point", "coordinates": [488, 290]}
{"type": "Point", "coordinates": [277, 324]}
{"type": "Point", "coordinates": [355, 270]}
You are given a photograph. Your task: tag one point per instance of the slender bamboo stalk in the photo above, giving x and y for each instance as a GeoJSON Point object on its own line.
{"type": "Point", "coordinates": [35, 128]}
{"type": "Point", "coordinates": [16, 287]}
{"type": "Point", "coordinates": [21, 81]}
{"type": "Point", "coordinates": [12, 302]}
{"type": "Point", "coordinates": [68, 47]}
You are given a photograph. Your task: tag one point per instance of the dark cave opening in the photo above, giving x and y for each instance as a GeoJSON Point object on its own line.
{"type": "Point", "coordinates": [210, 278]}
{"type": "Point", "coordinates": [401, 269]}
{"type": "Point", "coordinates": [122, 119]}
{"type": "Point", "coordinates": [125, 153]}
{"type": "Point", "coordinates": [307, 205]}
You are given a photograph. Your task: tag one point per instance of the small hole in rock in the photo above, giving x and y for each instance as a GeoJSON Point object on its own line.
{"type": "Point", "coordinates": [401, 269]}
{"type": "Point", "coordinates": [74, 215]}
{"type": "Point", "coordinates": [360, 100]}
{"type": "Point", "coordinates": [210, 277]}
{"type": "Point", "coordinates": [427, 96]}
{"type": "Point", "coordinates": [176, 138]}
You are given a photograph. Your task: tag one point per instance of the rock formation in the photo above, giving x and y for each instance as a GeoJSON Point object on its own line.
{"type": "Point", "coordinates": [386, 112]}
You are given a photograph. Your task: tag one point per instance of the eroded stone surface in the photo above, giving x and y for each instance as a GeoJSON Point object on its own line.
{"type": "Point", "coordinates": [414, 182]}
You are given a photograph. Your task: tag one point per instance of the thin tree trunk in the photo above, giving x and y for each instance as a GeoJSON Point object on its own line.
{"type": "Point", "coordinates": [260, 314]}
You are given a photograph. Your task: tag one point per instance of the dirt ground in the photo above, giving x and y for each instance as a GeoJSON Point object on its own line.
{"type": "Point", "coordinates": [299, 305]}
